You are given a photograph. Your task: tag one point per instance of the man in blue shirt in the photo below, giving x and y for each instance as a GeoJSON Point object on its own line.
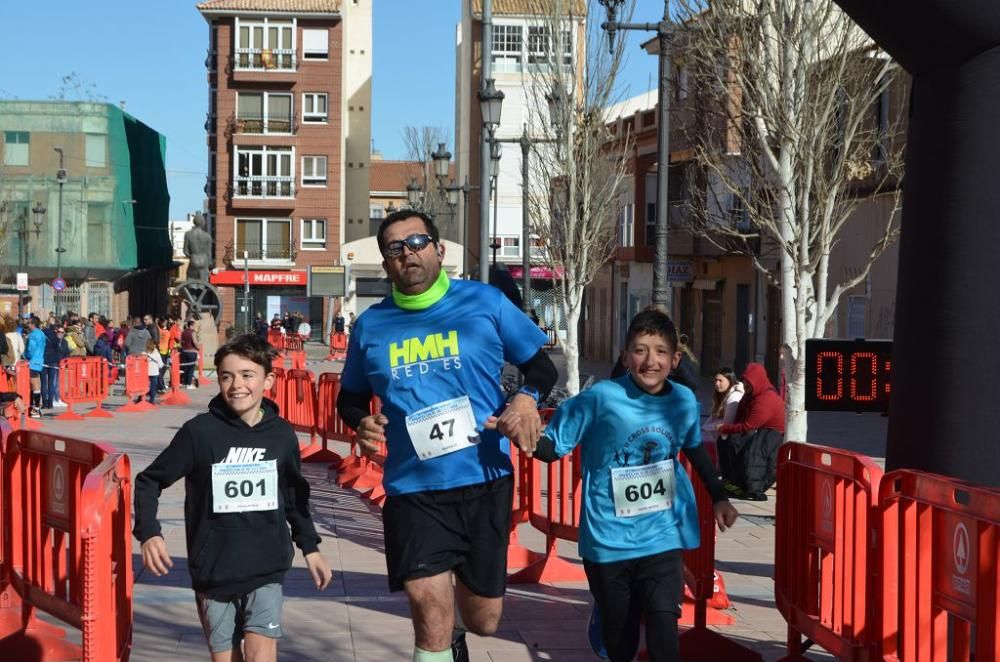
{"type": "Point", "coordinates": [433, 353]}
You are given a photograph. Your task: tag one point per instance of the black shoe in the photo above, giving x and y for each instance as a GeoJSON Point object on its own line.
{"type": "Point", "coordinates": [459, 649]}
{"type": "Point", "coordinates": [754, 497]}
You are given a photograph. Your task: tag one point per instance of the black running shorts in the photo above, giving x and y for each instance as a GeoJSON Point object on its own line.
{"type": "Point", "coordinates": [465, 529]}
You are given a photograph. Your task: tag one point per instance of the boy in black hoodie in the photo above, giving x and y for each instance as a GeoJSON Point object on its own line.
{"type": "Point", "coordinates": [244, 487]}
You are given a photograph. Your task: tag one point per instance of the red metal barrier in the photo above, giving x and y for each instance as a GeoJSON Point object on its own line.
{"type": "Point", "coordinates": [300, 406]}
{"type": "Point", "coordinates": [276, 338]}
{"type": "Point", "coordinates": [557, 516]}
{"type": "Point", "coordinates": [365, 473]}
{"type": "Point", "coordinates": [203, 381]}
{"type": "Point", "coordinates": [328, 423]}
{"type": "Point", "coordinates": [278, 389]}
{"type": "Point", "coordinates": [824, 561]}
{"type": "Point", "coordinates": [83, 380]}
{"type": "Point", "coordinates": [22, 379]}
{"type": "Point", "coordinates": [136, 384]}
{"type": "Point", "coordinates": [176, 396]}
{"type": "Point", "coordinates": [338, 347]}
{"type": "Point", "coordinates": [519, 556]}
{"type": "Point", "coordinates": [940, 574]}
{"type": "Point", "coordinates": [294, 343]}
{"type": "Point", "coordinates": [67, 549]}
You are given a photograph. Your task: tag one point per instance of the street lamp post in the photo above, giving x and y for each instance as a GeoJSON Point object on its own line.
{"type": "Point", "coordinates": [525, 142]}
{"type": "Point", "coordinates": [61, 180]}
{"type": "Point", "coordinates": [490, 103]}
{"type": "Point", "coordinates": [663, 30]}
{"type": "Point", "coordinates": [246, 291]}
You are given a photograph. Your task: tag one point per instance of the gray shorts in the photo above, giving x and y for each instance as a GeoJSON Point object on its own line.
{"type": "Point", "coordinates": [225, 621]}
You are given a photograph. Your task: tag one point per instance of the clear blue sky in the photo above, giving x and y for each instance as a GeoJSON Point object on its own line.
{"type": "Point", "coordinates": [151, 56]}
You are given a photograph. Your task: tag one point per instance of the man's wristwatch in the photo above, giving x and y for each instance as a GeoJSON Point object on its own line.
{"type": "Point", "coordinates": [531, 391]}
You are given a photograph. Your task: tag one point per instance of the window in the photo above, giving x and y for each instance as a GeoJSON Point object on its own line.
{"type": "Point", "coordinates": [210, 119]}
{"type": "Point", "coordinates": [265, 44]}
{"type": "Point", "coordinates": [264, 172]}
{"type": "Point", "coordinates": [539, 45]}
{"type": "Point", "coordinates": [16, 145]}
{"type": "Point", "coordinates": [509, 246]}
{"type": "Point", "coordinates": [264, 239]}
{"type": "Point", "coordinates": [99, 298]}
{"type": "Point", "coordinates": [626, 226]}
{"type": "Point", "coordinates": [315, 44]}
{"type": "Point", "coordinates": [263, 112]}
{"type": "Point", "coordinates": [857, 307]}
{"type": "Point", "coordinates": [507, 45]}
{"type": "Point", "coordinates": [96, 151]}
{"type": "Point", "coordinates": [314, 107]}
{"type": "Point", "coordinates": [314, 171]}
{"type": "Point", "coordinates": [567, 46]}
{"type": "Point", "coordinates": [98, 225]}
{"type": "Point", "coordinates": [313, 234]}
{"type": "Point", "coordinates": [376, 211]}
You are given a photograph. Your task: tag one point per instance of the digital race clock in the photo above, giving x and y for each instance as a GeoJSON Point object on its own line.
{"type": "Point", "coordinates": [848, 375]}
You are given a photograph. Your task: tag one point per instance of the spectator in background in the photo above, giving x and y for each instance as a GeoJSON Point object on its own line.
{"type": "Point", "coordinates": [34, 353]}
{"type": "Point", "coordinates": [154, 366]}
{"type": "Point", "coordinates": [350, 323]}
{"type": "Point", "coordinates": [15, 342]}
{"type": "Point", "coordinates": [189, 355]}
{"type": "Point", "coordinates": [163, 347]}
{"type": "Point", "coordinates": [339, 322]}
{"type": "Point", "coordinates": [56, 349]}
{"type": "Point", "coordinates": [152, 327]}
{"type": "Point", "coordinates": [725, 402]}
{"type": "Point", "coordinates": [260, 326]}
{"type": "Point", "coordinates": [135, 342]}
{"type": "Point", "coordinates": [296, 322]}
{"type": "Point", "coordinates": [74, 338]}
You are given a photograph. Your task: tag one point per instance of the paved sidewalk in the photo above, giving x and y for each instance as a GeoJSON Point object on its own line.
{"type": "Point", "coordinates": [358, 619]}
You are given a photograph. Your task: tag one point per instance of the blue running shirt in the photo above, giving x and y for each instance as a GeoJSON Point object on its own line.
{"type": "Point", "coordinates": [617, 424]}
{"type": "Point", "coordinates": [418, 358]}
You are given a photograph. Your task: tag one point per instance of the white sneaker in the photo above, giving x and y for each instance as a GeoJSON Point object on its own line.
{"type": "Point", "coordinates": [58, 404]}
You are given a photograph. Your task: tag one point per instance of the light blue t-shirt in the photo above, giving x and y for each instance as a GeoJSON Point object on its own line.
{"type": "Point", "coordinates": [617, 424]}
{"type": "Point", "coordinates": [415, 359]}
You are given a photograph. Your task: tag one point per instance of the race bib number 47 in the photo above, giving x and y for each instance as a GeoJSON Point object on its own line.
{"type": "Point", "coordinates": [443, 428]}
{"type": "Point", "coordinates": [244, 487]}
{"type": "Point", "coordinates": [645, 489]}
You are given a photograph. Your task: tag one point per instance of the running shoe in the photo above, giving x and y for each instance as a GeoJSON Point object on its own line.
{"type": "Point", "coordinates": [594, 633]}
{"type": "Point", "coordinates": [459, 649]}
{"type": "Point", "coordinates": [35, 413]}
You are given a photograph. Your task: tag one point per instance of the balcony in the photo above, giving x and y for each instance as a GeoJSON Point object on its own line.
{"type": "Point", "coordinates": [261, 126]}
{"type": "Point", "coordinates": [261, 193]}
{"type": "Point", "coordinates": [263, 64]}
{"type": "Point", "coordinates": [268, 254]}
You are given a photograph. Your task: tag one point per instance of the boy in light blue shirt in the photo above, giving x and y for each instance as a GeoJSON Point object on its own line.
{"type": "Point", "coordinates": [639, 511]}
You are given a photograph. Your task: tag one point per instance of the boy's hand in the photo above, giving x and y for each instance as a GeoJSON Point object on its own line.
{"type": "Point", "coordinates": [320, 571]}
{"type": "Point", "coordinates": [725, 514]}
{"type": "Point", "coordinates": [155, 557]}
{"type": "Point", "coordinates": [519, 422]}
{"type": "Point", "coordinates": [371, 431]}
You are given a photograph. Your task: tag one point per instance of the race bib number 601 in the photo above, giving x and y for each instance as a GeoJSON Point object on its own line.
{"type": "Point", "coordinates": [243, 487]}
{"type": "Point", "coordinates": [645, 489]}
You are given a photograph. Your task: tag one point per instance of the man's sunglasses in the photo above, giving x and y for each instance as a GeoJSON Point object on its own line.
{"type": "Point", "coordinates": [415, 242]}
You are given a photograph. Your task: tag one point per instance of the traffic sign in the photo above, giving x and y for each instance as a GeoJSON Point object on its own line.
{"type": "Point", "coordinates": [58, 284]}
{"type": "Point", "coordinates": [22, 281]}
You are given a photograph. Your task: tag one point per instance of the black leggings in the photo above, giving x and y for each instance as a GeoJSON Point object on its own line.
{"type": "Point", "coordinates": [626, 592]}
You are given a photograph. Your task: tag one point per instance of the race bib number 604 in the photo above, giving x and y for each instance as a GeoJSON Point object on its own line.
{"type": "Point", "coordinates": [243, 487]}
{"type": "Point", "coordinates": [645, 489]}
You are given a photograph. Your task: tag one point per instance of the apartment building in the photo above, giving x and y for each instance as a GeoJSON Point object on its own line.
{"type": "Point", "coordinates": [83, 196]}
{"type": "Point", "coordinates": [289, 128]}
{"type": "Point", "coordinates": [521, 54]}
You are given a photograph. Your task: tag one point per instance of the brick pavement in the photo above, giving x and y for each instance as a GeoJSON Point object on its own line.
{"type": "Point", "coordinates": [358, 619]}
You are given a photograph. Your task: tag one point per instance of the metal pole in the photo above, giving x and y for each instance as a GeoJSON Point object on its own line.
{"type": "Point", "coordinates": [661, 288]}
{"type": "Point", "coordinates": [484, 148]}
{"type": "Point", "coordinates": [246, 291]}
{"type": "Point", "coordinates": [60, 179]}
{"type": "Point", "coordinates": [465, 228]}
{"type": "Point", "coordinates": [525, 224]}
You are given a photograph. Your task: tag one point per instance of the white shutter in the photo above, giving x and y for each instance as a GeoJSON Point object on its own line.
{"type": "Point", "coordinates": [315, 43]}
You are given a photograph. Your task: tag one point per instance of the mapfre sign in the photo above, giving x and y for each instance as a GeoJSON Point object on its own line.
{"type": "Point", "coordinates": [259, 278]}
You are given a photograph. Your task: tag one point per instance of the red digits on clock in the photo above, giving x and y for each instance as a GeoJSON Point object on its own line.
{"type": "Point", "coordinates": [820, 391]}
{"type": "Point", "coordinates": [872, 360]}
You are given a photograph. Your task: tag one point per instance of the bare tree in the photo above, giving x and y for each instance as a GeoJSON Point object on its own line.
{"type": "Point", "coordinates": [791, 133]}
{"type": "Point", "coordinates": [420, 143]}
{"type": "Point", "coordinates": [73, 87]}
{"type": "Point", "coordinates": [576, 184]}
